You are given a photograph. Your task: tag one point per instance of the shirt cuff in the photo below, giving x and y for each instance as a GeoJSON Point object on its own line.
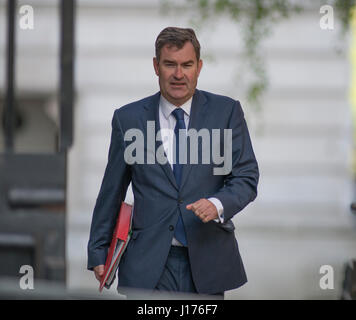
{"type": "Point", "coordinates": [219, 207]}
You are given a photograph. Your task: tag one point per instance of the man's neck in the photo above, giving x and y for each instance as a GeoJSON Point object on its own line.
{"type": "Point", "coordinates": [175, 102]}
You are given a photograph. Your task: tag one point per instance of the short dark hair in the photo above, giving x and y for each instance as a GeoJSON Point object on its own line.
{"type": "Point", "coordinates": [177, 37]}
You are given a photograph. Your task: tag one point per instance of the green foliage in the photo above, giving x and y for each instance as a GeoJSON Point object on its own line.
{"type": "Point", "coordinates": [255, 20]}
{"type": "Point", "coordinates": [343, 9]}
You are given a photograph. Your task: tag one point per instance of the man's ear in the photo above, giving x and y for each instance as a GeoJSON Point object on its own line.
{"type": "Point", "coordinates": [200, 65]}
{"type": "Point", "coordinates": [155, 65]}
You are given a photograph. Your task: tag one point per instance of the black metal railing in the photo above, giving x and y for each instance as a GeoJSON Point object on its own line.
{"type": "Point", "coordinates": [33, 186]}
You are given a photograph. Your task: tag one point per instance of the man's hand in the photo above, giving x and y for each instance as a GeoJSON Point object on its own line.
{"type": "Point", "coordinates": [99, 272]}
{"type": "Point", "coordinates": [204, 209]}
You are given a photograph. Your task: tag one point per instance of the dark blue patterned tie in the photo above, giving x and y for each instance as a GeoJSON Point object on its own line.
{"type": "Point", "coordinates": [178, 113]}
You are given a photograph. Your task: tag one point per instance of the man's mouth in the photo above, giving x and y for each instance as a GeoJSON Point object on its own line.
{"type": "Point", "coordinates": [177, 84]}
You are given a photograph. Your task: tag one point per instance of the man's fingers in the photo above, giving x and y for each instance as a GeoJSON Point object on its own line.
{"type": "Point", "coordinates": [206, 219]}
{"type": "Point", "coordinates": [195, 205]}
{"type": "Point", "coordinates": [191, 206]}
{"type": "Point", "coordinates": [99, 271]}
{"type": "Point", "coordinates": [203, 209]}
{"type": "Point", "coordinates": [203, 215]}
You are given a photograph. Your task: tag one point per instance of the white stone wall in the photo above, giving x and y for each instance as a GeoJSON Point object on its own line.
{"type": "Point", "coordinates": [302, 136]}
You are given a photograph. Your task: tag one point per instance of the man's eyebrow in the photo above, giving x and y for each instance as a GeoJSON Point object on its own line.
{"type": "Point", "coordinates": [171, 61]}
{"type": "Point", "coordinates": [168, 61]}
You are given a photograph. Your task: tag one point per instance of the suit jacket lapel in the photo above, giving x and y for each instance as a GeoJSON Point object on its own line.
{"type": "Point", "coordinates": [152, 108]}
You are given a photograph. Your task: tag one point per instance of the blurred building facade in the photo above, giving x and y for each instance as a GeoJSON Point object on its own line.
{"type": "Point", "coordinates": [302, 137]}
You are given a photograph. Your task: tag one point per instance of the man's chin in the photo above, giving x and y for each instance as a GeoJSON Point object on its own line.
{"type": "Point", "coordinates": [179, 97]}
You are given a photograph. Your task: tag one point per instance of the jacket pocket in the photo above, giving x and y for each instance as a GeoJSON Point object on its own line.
{"type": "Point", "coordinates": [227, 226]}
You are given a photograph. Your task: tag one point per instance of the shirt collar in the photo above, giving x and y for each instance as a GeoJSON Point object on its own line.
{"type": "Point", "coordinates": [167, 107]}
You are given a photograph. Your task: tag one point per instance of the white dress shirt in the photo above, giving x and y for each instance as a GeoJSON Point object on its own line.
{"type": "Point", "coordinates": [167, 123]}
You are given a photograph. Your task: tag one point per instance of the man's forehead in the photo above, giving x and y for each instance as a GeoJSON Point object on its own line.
{"type": "Point", "coordinates": [171, 46]}
{"type": "Point", "coordinates": [173, 50]}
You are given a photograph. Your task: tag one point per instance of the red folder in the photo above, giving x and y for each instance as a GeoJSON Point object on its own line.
{"type": "Point", "coordinates": [120, 239]}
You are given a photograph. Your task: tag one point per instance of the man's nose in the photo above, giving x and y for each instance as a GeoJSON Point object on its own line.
{"type": "Point", "coordinates": [178, 73]}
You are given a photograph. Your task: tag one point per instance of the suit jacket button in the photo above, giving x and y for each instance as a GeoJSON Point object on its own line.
{"type": "Point", "coordinates": [180, 200]}
{"type": "Point", "coordinates": [171, 228]}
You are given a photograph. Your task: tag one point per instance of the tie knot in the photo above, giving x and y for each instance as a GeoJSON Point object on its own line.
{"type": "Point", "coordinates": [178, 113]}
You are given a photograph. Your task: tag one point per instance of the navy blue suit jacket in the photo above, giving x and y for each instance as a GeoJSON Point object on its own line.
{"type": "Point", "coordinates": [213, 250]}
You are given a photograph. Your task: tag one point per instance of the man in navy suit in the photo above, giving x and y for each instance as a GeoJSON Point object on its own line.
{"type": "Point", "coordinates": [182, 236]}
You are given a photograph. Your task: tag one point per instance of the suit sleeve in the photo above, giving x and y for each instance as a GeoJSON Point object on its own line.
{"type": "Point", "coordinates": [240, 185]}
{"type": "Point", "coordinates": [112, 192]}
